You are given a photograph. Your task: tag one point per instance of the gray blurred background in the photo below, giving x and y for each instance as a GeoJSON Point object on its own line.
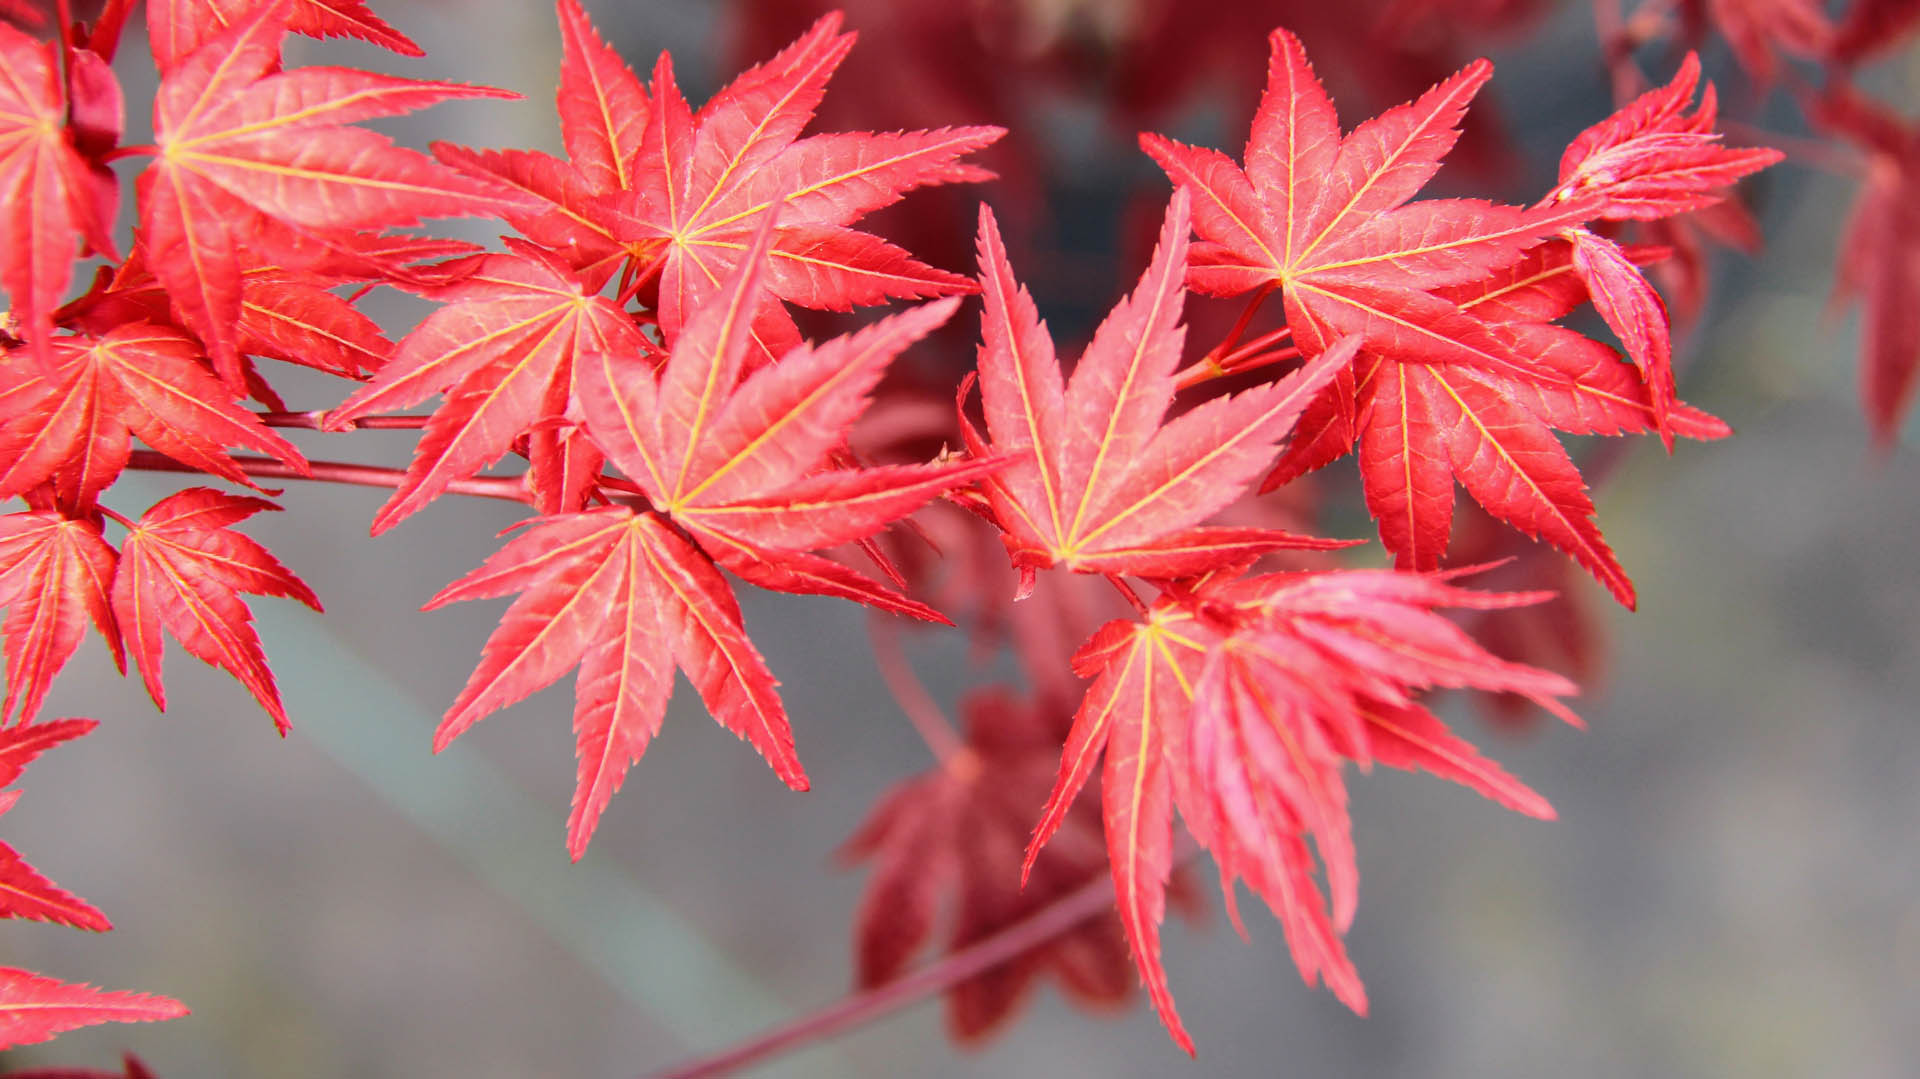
{"type": "Point", "coordinates": [1733, 888]}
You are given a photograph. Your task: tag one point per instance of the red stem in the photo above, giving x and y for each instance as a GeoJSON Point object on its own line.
{"type": "Point", "coordinates": [312, 421]}
{"type": "Point", "coordinates": [105, 37]}
{"type": "Point", "coordinates": [1058, 917]}
{"type": "Point", "coordinates": [508, 488]}
{"type": "Point", "coordinates": [913, 697]}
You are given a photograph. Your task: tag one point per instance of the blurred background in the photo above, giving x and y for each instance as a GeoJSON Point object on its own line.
{"type": "Point", "coordinates": [1732, 889]}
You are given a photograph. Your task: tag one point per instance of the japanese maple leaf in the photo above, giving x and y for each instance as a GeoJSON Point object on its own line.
{"type": "Point", "coordinates": [952, 839]}
{"type": "Point", "coordinates": [1879, 260]}
{"type": "Point", "coordinates": [1326, 219]}
{"type": "Point", "coordinates": [24, 893]}
{"type": "Point", "coordinates": [177, 27]}
{"type": "Point", "coordinates": [286, 313]}
{"type": "Point", "coordinates": [504, 350]}
{"type": "Point", "coordinates": [1240, 702]}
{"type": "Point", "coordinates": [183, 570]}
{"type": "Point", "coordinates": [34, 1008]}
{"type": "Point", "coordinates": [733, 473]}
{"type": "Point", "coordinates": [1422, 426]}
{"type": "Point", "coordinates": [48, 191]}
{"type": "Point", "coordinates": [678, 193]}
{"type": "Point", "coordinates": [1651, 159]}
{"type": "Point", "coordinates": [139, 379]}
{"type": "Point", "coordinates": [1100, 482]}
{"type": "Point", "coordinates": [250, 156]}
{"type": "Point", "coordinates": [54, 576]}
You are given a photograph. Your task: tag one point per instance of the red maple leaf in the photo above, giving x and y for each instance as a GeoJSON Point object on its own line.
{"type": "Point", "coordinates": [1240, 701]}
{"type": "Point", "coordinates": [252, 158]}
{"type": "Point", "coordinates": [183, 569]}
{"type": "Point", "coordinates": [72, 426]}
{"type": "Point", "coordinates": [675, 194]}
{"type": "Point", "coordinates": [504, 350]}
{"type": "Point", "coordinates": [952, 838]}
{"type": "Point", "coordinates": [49, 194]}
{"type": "Point", "coordinates": [1326, 219]}
{"type": "Point", "coordinates": [55, 575]}
{"type": "Point", "coordinates": [732, 472]}
{"type": "Point", "coordinates": [1443, 391]}
{"type": "Point", "coordinates": [1098, 480]}
{"type": "Point", "coordinates": [1651, 159]}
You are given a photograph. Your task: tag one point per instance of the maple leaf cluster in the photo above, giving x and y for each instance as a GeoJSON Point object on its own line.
{"type": "Point", "coordinates": [635, 345]}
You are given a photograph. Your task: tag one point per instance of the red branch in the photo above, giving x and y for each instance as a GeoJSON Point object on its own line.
{"type": "Point", "coordinates": [857, 1009]}
{"type": "Point", "coordinates": [508, 488]}
{"type": "Point", "coordinates": [311, 421]}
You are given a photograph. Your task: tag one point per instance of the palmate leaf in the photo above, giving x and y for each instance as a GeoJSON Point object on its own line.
{"type": "Point", "coordinates": [1327, 218]}
{"type": "Point", "coordinates": [503, 350]}
{"type": "Point", "coordinates": [677, 194]}
{"type": "Point", "coordinates": [1097, 482]}
{"type": "Point", "coordinates": [49, 195]}
{"type": "Point", "coordinates": [1421, 427]}
{"type": "Point", "coordinates": [73, 426]}
{"type": "Point", "coordinates": [734, 474]}
{"type": "Point", "coordinates": [1239, 702]}
{"type": "Point", "coordinates": [250, 156]}
{"type": "Point", "coordinates": [55, 575]}
{"type": "Point", "coordinates": [1445, 388]}
{"type": "Point", "coordinates": [183, 570]}
{"type": "Point", "coordinates": [1651, 159]}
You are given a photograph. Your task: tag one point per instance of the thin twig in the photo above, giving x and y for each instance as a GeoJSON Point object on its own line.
{"type": "Point", "coordinates": [1060, 916]}
{"type": "Point", "coordinates": [312, 421]}
{"type": "Point", "coordinates": [911, 695]}
{"type": "Point", "coordinates": [508, 488]}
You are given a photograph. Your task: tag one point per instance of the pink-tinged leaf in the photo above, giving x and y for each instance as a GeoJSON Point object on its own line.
{"type": "Point", "coordinates": [55, 575]}
{"type": "Point", "coordinates": [1634, 312]}
{"type": "Point", "coordinates": [34, 1008]}
{"type": "Point", "coordinates": [703, 620]}
{"type": "Point", "coordinates": [139, 379]}
{"type": "Point", "coordinates": [234, 141]}
{"type": "Point", "coordinates": [46, 189]}
{"type": "Point", "coordinates": [695, 188]}
{"type": "Point", "coordinates": [780, 424]}
{"type": "Point", "coordinates": [603, 108]}
{"type": "Point", "coordinates": [1410, 737]}
{"type": "Point", "coordinates": [1511, 463]}
{"type": "Point", "coordinates": [22, 743]}
{"type": "Point", "coordinates": [1095, 481]}
{"type": "Point", "coordinates": [1653, 158]}
{"type": "Point", "coordinates": [183, 571]}
{"type": "Point", "coordinates": [1137, 804]}
{"type": "Point", "coordinates": [177, 27]}
{"type": "Point", "coordinates": [24, 893]}
{"type": "Point", "coordinates": [1409, 490]}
